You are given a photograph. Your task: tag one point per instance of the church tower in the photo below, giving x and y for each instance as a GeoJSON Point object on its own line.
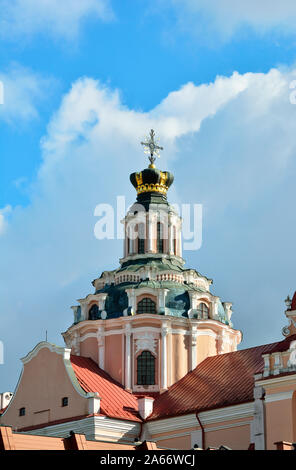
{"type": "Point", "coordinates": [152, 320]}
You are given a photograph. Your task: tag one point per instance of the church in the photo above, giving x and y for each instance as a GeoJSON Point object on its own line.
{"type": "Point", "coordinates": [152, 355]}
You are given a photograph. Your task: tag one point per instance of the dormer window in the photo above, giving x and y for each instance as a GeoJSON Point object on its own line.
{"type": "Point", "coordinates": [93, 312]}
{"type": "Point", "coordinates": [202, 311]}
{"type": "Point", "coordinates": [146, 305]}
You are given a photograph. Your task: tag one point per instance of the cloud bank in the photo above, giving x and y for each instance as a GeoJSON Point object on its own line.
{"type": "Point", "coordinates": [227, 16]}
{"type": "Point", "coordinates": [23, 91]}
{"type": "Point", "coordinates": [59, 19]}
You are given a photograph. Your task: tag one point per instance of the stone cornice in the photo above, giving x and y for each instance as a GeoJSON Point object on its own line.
{"type": "Point", "coordinates": [241, 411]}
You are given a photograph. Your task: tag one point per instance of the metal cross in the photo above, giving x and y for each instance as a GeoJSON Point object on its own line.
{"type": "Point", "coordinates": [151, 148]}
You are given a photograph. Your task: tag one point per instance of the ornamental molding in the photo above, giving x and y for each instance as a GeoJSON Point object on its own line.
{"type": "Point", "coordinates": [242, 411]}
{"type": "Point", "coordinates": [152, 255]}
{"type": "Point", "coordinates": [91, 297]}
{"type": "Point", "coordinates": [145, 341]}
{"type": "Point", "coordinates": [289, 379]}
{"type": "Point", "coordinates": [88, 335]}
{"type": "Point", "coordinates": [279, 396]}
{"type": "Point", "coordinates": [176, 331]}
{"type": "Point", "coordinates": [204, 327]}
{"type": "Point", "coordinates": [65, 352]}
{"type": "Point", "coordinates": [94, 427]}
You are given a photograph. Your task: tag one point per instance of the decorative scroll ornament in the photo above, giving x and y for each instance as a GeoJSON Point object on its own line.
{"type": "Point", "coordinates": [146, 342]}
{"type": "Point", "coordinates": [286, 331]}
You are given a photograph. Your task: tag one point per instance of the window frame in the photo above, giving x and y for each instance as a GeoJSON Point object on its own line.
{"type": "Point", "coordinates": [92, 308]}
{"type": "Point", "coordinates": [146, 368]}
{"type": "Point", "coordinates": [204, 311]}
{"type": "Point", "coordinates": [65, 401]}
{"type": "Point", "coordinates": [145, 304]}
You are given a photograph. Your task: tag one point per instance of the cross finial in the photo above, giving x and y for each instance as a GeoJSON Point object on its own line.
{"type": "Point", "coordinates": [151, 148]}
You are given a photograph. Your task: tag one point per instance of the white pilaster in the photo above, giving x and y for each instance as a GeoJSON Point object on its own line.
{"type": "Point", "coordinates": [258, 428]}
{"type": "Point", "coordinates": [132, 299]}
{"type": "Point", "coordinates": [193, 348]}
{"type": "Point", "coordinates": [125, 241]}
{"type": "Point", "coordinates": [152, 218]}
{"type": "Point", "coordinates": [171, 237]}
{"type": "Point", "coordinates": [84, 311]}
{"type": "Point", "coordinates": [150, 232]}
{"type": "Point", "coordinates": [179, 238]}
{"type": "Point", "coordinates": [162, 293]}
{"type": "Point", "coordinates": [101, 300]}
{"type": "Point", "coordinates": [101, 347]}
{"type": "Point", "coordinates": [76, 343]}
{"type": "Point", "coordinates": [266, 359]}
{"type": "Point", "coordinates": [128, 362]}
{"type": "Point", "coordinates": [164, 369]}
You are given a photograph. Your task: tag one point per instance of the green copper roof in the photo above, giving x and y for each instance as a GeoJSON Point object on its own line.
{"type": "Point", "coordinates": [162, 264]}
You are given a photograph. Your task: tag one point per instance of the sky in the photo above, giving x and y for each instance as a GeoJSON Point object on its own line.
{"type": "Point", "coordinates": [84, 81]}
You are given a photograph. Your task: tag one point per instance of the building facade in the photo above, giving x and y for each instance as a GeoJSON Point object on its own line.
{"type": "Point", "coordinates": [152, 352]}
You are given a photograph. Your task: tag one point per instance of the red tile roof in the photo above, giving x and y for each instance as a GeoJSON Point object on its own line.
{"type": "Point", "coordinates": [116, 402]}
{"type": "Point", "coordinates": [218, 381]}
{"type": "Point", "coordinates": [283, 345]}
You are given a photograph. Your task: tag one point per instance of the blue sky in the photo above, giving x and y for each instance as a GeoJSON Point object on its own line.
{"type": "Point", "coordinates": [83, 82]}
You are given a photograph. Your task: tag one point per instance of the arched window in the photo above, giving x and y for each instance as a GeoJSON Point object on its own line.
{"type": "Point", "coordinates": [93, 312]}
{"type": "Point", "coordinates": [146, 305]}
{"type": "Point", "coordinates": [203, 311]}
{"type": "Point", "coordinates": [141, 239]}
{"type": "Point", "coordinates": [159, 237]}
{"type": "Point", "coordinates": [146, 369]}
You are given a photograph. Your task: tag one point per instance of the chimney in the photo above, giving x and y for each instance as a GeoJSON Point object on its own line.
{"type": "Point", "coordinates": [145, 406]}
{"type": "Point", "coordinates": [94, 403]}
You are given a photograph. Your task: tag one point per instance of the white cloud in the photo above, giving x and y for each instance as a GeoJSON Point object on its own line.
{"type": "Point", "coordinates": [227, 16]}
{"type": "Point", "coordinates": [232, 147]}
{"type": "Point", "coordinates": [61, 19]}
{"type": "Point", "coordinates": [23, 91]}
{"type": "Point", "coordinates": [3, 221]}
